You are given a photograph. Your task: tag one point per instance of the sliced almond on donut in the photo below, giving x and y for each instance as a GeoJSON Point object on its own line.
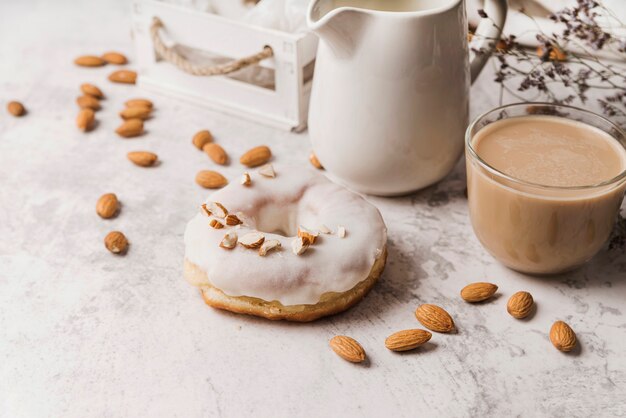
{"type": "Point", "coordinates": [216, 224]}
{"type": "Point", "coordinates": [233, 220]}
{"type": "Point", "coordinates": [307, 234]}
{"type": "Point", "coordinates": [267, 171]}
{"type": "Point", "coordinates": [325, 230]}
{"type": "Point", "coordinates": [217, 209]}
{"type": "Point", "coordinates": [269, 245]}
{"type": "Point", "coordinates": [229, 241]}
{"type": "Point", "coordinates": [252, 240]}
{"type": "Point", "coordinates": [204, 210]}
{"type": "Point", "coordinates": [299, 245]}
{"type": "Point", "coordinates": [245, 179]}
{"type": "Point", "coordinates": [341, 231]}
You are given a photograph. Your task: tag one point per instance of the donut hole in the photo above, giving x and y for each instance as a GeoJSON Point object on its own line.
{"type": "Point", "coordinates": [273, 218]}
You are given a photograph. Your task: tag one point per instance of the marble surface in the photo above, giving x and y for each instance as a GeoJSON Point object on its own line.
{"type": "Point", "coordinates": [84, 333]}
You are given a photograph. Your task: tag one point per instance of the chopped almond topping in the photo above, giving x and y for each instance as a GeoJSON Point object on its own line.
{"type": "Point", "coordinates": [252, 240]}
{"type": "Point", "coordinates": [341, 231]}
{"type": "Point", "coordinates": [325, 230]}
{"type": "Point", "coordinates": [204, 210]}
{"type": "Point", "coordinates": [232, 220]}
{"type": "Point", "coordinates": [267, 171]}
{"type": "Point", "coordinates": [218, 210]}
{"type": "Point", "coordinates": [216, 224]}
{"type": "Point", "coordinates": [269, 245]}
{"type": "Point", "coordinates": [310, 236]}
{"type": "Point", "coordinates": [299, 245]}
{"type": "Point", "coordinates": [245, 179]}
{"type": "Point", "coordinates": [229, 241]}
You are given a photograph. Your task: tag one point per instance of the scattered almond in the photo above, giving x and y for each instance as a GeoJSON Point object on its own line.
{"type": "Point", "coordinates": [139, 103]}
{"type": "Point", "coordinates": [478, 292]}
{"type": "Point", "coordinates": [88, 102]}
{"type": "Point", "coordinates": [315, 162]}
{"type": "Point", "coordinates": [204, 210]}
{"type": "Point", "coordinates": [107, 205]}
{"type": "Point", "coordinates": [229, 241]}
{"type": "Point", "coordinates": [143, 158]}
{"type": "Point", "coordinates": [216, 224]}
{"type": "Point", "coordinates": [114, 58]}
{"type": "Point", "coordinates": [123, 76]}
{"type": "Point", "coordinates": [89, 61]}
{"type": "Point", "coordinates": [217, 209]}
{"type": "Point", "coordinates": [562, 336]}
{"type": "Point", "coordinates": [407, 339]}
{"type": "Point", "coordinates": [130, 128]}
{"type": "Point", "coordinates": [16, 108]}
{"type": "Point", "coordinates": [434, 318]}
{"type": "Point", "coordinates": [256, 156]}
{"type": "Point", "coordinates": [267, 171]}
{"type": "Point", "coordinates": [200, 139]}
{"type": "Point", "coordinates": [116, 242]}
{"type": "Point", "coordinates": [211, 179]}
{"type": "Point", "coordinates": [232, 220]}
{"type": "Point", "coordinates": [91, 90]}
{"type": "Point", "coordinates": [347, 348]}
{"type": "Point", "coordinates": [252, 240]}
{"type": "Point", "coordinates": [299, 245]}
{"type": "Point", "coordinates": [520, 305]}
{"type": "Point", "coordinates": [341, 231]}
{"type": "Point", "coordinates": [86, 119]}
{"type": "Point", "coordinates": [269, 245]}
{"type": "Point", "coordinates": [137, 112]}
{"type": "Point", "coordinates": [308, 235]}
{"type": "Point", "coordinates": [216, 153]}
{"type": "Point", "coordinates": [245, 179]}
{"type": "Point", "coordinates": [325, 230]}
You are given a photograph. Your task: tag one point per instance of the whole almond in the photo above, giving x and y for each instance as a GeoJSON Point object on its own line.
{"type": "Point", "coordinates": [216, 153]}
{"type": "Point", "coordinates": [86, 119]}
{"type": "Point", "coordinates": [407, 339]}
{"type": "Point", "coordinates": [91, 90]}
{"type": "Point", "coordinates": [137, 112]}
{"type": "Point", "coordinates": [130, 128]}
{"type": "Point", "coordinates": [139, 103]}
{"type": "Point", "coordinates": [315, 162]}
{"type": "Point", "coordinates": [256, 156]}
{"type": "Point", "coordinates": [211, 179]}
{"type": "Point", "coordinates": [114, 58]}
{"type": "Point", "coordinates": [116, 242]}
{"type": "Point", "coordinates": [123, 76]}
{"type": "Point", "coordinates": [143, 158]}
{"type": "Point", "coordinates": [89, 61]}
{"type": "Point", "coordinates": [434, 318]}
{"type": "Point", "coordinates": [520, 305]}
{"type": "Point", "coordinates": [202, 138]}
{"type": "Point", "coordinates": [88, 102]}
{"type": "Point", "coordinates": [107, 206]}
{"type": "Point", "coordinates": [562, 336]}
{"type": "Point", "coordinates": [347, 348]}
{"type": "Point", "coordinates": [478, 292]}
{"type": "Point", "coordinates": [16, 108]}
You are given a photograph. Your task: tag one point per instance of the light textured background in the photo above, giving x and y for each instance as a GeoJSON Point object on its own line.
{"type": "Point", "coordinates": [84, 333]}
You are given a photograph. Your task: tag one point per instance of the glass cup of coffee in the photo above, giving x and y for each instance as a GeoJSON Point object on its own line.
{"type": "Point", "coordinates": [545, 184]}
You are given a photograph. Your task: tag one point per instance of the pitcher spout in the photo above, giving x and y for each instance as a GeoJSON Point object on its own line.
{"type": "Point", "coordinates": [339, 28]}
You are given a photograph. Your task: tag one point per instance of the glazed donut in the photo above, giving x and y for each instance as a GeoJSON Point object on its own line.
{"type": "Point", "coordinates": [294, 246]}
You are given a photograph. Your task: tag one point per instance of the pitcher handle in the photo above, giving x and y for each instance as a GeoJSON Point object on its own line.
{"type": "Point", "coordinates": [487, 34]}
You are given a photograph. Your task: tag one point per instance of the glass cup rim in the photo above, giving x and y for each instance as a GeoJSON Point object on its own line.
{"type": "Point", "coordinates": [490, 168]}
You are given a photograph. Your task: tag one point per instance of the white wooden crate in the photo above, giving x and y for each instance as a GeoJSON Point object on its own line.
{"type": "Point", "coordinates": [285, 105]}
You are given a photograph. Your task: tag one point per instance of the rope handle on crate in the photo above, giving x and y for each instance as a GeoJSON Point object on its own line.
{"type": "Point", "coordinates": [170, 55]}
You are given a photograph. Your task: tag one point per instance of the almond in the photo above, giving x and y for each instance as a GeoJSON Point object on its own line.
{"type": "Point", "coordinates": [269, 245]}
{"type": "Point", "coordinates": [16, 109]}
{"type": "Point", "coordinates": [347, 348]}
{"type": "Point", "coordinates": [86, 119]}
{"type": "Point", "coordinates": [407, 339]}
{"type": "Point", "coordinates": [256, 156]}
{"type": "Point", "coordinates": [204, 210]}
{"type": "Point", "coordinates": [434, 318]}
{"type": "Point", "coordinates": [252, 240]}
{"type": "Point", "coordinates": [520, 305]}
{"type": "Point", "coordinates": [217, 209]}
{"type": "Point", "coordinates": [89, 61]}
{"type": "Point", "coordinates": [139, 103]}
{"type": "Point", "coordinates": [562, 336]}
{"type": "Point", "coordinates": [232, 220]}
{"type": "Point", "coordinates": [114, 58]}
{"type": "Point", "coordinates": [91, 90]}
{"type": "Point", "coordinates": [229, 241]}
{"type": "Point", "coordinates": [89, 102]}
{"type": "Point", "coordinates": [308, 235]}
{"type": "Point", "coordinates": [116, 242]}
{"type": "Point", "coordinates": [107, 206]}
{"type": "Point", "coordinates": [137, 112]}
{"type": "Point", "coordinates": [216, 153]}
{"type": "Point", "coordinates": [245, 179]}
{"type": "Point", "coordinates": [267, 171]}
{"type": "Point", "coordinates": [200, 139]}
{"type": "Point", "coordinates": [478, 292]}
{"type": "Point", "coordinates": [341, 231]}
{"type": "Point", "coordinates": [315, 162]}
{"type": "Point", "coordinates": [216, 224]}
{"type": "Point", "coordinates": [143, 158]}
{"type": "Point", "coordinates": [130, 128]}
{"type": "Point", "coordinates": [299, 245]}
{"type": "Point", "coordinates": [211, 179]}
{"type": "Point", "coordinates": [123, 76]}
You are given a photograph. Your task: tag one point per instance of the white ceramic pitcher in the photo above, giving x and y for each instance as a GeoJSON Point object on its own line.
{"type": "Point", "coordinates": [390, 97]}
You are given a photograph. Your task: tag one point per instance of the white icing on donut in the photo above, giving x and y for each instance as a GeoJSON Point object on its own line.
{"type": "Point", "coordinates": [297, 196]}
